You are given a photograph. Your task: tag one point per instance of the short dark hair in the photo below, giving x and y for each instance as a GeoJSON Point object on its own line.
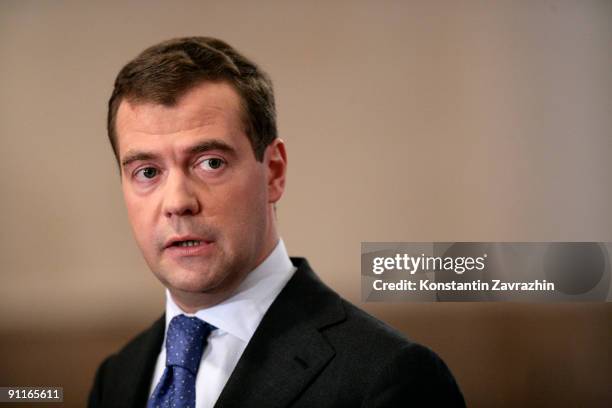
{"type": "Point", "coordinates": [164, 72]}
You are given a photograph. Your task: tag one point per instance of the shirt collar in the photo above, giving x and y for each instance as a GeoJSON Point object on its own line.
{"type": "Point", "coordinates": [240, 314]}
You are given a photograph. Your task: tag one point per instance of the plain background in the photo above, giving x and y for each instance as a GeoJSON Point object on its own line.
{"type": "Point", "coordinates": [404, 121]}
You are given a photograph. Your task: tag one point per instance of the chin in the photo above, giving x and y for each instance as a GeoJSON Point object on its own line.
{"type": "Point", "coordinates": [193, 282]}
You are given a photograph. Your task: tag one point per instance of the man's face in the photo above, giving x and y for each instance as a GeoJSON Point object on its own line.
{"type": "Point", "coordinates": [199, 203]}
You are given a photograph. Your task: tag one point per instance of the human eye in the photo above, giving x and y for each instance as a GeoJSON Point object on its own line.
{"type": "Point", "coordinates": [211, 164]}
{"type": "Point", "coordinates": [145, 174]}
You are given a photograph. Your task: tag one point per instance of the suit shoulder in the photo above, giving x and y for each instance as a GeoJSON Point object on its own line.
{"type": "Point", "coordinates": [362, 340]}
{"type": "Point", "coordinates": [386, 338]}
{"type": "Point", "coordinates": [389, 368]}
{"type": "Point", "coordinates": [363, 328]}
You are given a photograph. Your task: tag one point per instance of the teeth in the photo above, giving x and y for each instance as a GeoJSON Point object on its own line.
{"type": "Point", "coordinates": [188, 243]}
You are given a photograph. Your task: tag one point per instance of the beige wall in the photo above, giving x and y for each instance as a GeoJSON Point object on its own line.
{"type": "Point", "coordinates": [405, 121]}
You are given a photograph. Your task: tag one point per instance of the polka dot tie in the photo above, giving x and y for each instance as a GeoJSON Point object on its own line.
{"type": "Point", "coordinates": [185, 341]}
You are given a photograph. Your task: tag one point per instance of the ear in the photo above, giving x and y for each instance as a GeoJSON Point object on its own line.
{"type": "Point", "coordinates": [276, 162]}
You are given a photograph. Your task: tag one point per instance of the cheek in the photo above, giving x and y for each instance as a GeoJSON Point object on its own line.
{"type": "Point", "coordinates": [132, 205]}
{"type": "Point", "coordinates": [141, 204]}
{"type": "Point", "coordinates": [243, 204]}
{"type": "Point", "coordinates": [139, 216]}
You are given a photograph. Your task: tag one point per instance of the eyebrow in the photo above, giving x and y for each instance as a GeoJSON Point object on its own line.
{"type": "Point", "coordinates": [202, 147]}
{"type": "Point", "coordinates": [137, 156]}
{"type": "Point", "coordinates": [213, 144]}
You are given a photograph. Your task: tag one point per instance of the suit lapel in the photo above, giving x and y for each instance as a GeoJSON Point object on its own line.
{"type": "Point", "coordinates": [137, 367]}
{"type": "Point", "coordinates": [287, 351]}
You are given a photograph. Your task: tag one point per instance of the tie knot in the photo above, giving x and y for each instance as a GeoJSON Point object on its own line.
{"type": "Point", "coordinates": [185, 341]}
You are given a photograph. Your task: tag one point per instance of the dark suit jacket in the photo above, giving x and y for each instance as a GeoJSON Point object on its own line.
{"type": "Point", "coordinates": [312, 349]}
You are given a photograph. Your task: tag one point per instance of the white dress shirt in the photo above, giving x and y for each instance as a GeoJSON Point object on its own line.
{"type": "Point", "coordinates": [236, 319]}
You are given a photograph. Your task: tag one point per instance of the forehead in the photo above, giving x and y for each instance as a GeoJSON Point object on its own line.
{"type": "Point", "coordinates": [210, 106]}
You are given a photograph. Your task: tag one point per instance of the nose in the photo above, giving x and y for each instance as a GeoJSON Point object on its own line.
{"type": "Point", "coordinates": [180, 197]}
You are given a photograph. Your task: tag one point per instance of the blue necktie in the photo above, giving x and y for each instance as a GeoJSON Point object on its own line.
{"type": "Point", "coordinates": [185, 341]}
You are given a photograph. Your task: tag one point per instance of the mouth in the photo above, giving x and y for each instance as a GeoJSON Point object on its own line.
{"type": "Point", "coordinates": [186, 242]}
{"type": "Point", "coordinates": [186, 247]}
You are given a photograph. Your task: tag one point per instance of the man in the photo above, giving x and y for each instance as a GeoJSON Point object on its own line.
{"type": "Point", "coordinates": [192, 124]}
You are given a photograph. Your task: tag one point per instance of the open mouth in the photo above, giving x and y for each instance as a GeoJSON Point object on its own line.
{"type": "Point", "coordinates": [187, 243]}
